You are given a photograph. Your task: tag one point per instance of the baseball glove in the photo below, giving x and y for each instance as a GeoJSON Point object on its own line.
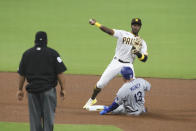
{"type": "Point", "coordinates": [137, 45]}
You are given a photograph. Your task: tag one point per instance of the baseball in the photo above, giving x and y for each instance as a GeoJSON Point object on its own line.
{"type": "Point", "coordinates": [92, 21]}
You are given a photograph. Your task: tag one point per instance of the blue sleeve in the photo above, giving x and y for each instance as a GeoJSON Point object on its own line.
{"type": "Point", "coordinates": [112, 107]}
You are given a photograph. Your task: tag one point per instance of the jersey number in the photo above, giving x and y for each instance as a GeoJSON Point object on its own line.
{"type": "Point", "coordinates": [138, 96]}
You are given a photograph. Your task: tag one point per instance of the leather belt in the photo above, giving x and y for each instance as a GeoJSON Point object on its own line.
{"type": "Point", "coordinates": [121, 60]}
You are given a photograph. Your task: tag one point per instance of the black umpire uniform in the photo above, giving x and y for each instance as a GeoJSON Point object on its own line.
{"type": "Point", "coordinates": [40, 66]}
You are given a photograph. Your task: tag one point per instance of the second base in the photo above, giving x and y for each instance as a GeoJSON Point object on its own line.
{"type": "Point", "coordinates": [95, 108]}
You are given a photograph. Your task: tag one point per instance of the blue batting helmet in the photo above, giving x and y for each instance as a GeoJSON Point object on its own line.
{"type": "Point", "coordinates": [127, 73]}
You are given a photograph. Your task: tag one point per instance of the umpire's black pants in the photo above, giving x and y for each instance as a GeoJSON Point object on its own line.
{"type": "Point", "coordinates": [42, 110]}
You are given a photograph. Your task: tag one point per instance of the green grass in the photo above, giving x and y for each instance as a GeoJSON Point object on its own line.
{"type": "Point", "coordinates": [8, 126]}
{"type": "Point", "coordinates": [168, 28]}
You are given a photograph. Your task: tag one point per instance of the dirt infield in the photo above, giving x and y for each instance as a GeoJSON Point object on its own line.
{"type": "Point", "coordinates": [171, 104]}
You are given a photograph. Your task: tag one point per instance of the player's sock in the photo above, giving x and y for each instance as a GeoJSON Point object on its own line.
{"type": "Point", "coordinates": [95, 92]}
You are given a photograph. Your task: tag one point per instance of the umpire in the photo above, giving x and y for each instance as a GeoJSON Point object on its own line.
{"type": "Point", "coordinates": [42, 67]}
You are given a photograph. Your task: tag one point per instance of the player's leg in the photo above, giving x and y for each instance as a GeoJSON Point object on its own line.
{"type": "Point", "coordinates": [110, 72]}
{"type": "Point", "coordinates": [138, 112]}
{"type": "Point", "coordinates": [49, 105]}
{"type": "Point", "coordinates": [35, 112]}
{"type": "Point", "coordinates": [119, 110]}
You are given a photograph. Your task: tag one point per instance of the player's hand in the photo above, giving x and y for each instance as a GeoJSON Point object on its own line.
{"type": "Point", "coordinates": [104, 111]}
{"type": "Point", "coordinates": [62, 94]}
{"type": "Point", "coordinates": [92, 21]}
{"type": "Point", "coordinates": [134, 50]}
{"type": "Point", "coordinates": [20, 95]}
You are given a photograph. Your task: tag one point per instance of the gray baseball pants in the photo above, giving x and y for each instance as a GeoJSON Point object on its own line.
{"type": "Point", "coordinates": [42, 110]}
{"type": "Point", "coordinates": [122, 110]}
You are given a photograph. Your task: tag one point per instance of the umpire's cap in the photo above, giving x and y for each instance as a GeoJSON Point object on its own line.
{"type": "Point", "coordinates": [136, 21]}
{"type": "Point", "coordinates": [127, 73]}
{"type": "Point", "coordinates": [41, 38]}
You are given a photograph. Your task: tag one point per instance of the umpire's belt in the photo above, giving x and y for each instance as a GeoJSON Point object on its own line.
{"type": "Point", "coordinates": [120, 60]}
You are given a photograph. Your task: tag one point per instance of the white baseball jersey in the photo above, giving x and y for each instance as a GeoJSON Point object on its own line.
{"type": "Point", "coordinates": [124, 45]}
{"type": "Point", "coordinates": [131, 95]}
{"type": "Point", "coordinates": [122, 53]}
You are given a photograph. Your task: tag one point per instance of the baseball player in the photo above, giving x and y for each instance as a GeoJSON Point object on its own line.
{"type": "Point", "coordinates": [130, 97]}
{"type": "Point", "coordinates": [129, 46]}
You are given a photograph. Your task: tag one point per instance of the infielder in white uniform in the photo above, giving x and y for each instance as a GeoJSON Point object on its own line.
{"type": "Point", "coordinates": [125, 54]}
{"type": "Point", "coordinates": [130, 97]}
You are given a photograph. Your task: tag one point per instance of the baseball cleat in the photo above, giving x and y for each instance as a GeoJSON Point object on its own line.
{"type": "Point", "coordinates": [90, 102]}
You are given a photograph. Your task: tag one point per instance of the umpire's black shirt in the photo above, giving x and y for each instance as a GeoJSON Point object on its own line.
{"type": "Point", "coordinates": [40, 65]}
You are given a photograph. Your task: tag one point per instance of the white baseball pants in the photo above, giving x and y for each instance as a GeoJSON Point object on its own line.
{"type": "Point", "coordinates": [111, 71]}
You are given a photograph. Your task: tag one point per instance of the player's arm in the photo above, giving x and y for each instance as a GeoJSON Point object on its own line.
{"type": "Point", "coordinates": [139, 48]}
{"type": "Point", "coordinates": [61, 79]}
{"type": "Point", "coordinates": [117, 102]}
{"type": "Point", "coordinates": [21, 79]}
{"type": "Point", "coordinates": [21, 82]}
{"type": "Point", "coordinates": [20, 93]}
{"type": "Point", "coordinates": [110, 108]}
{"type": "Point", "coordinates": [142, 57]}
{"type": "Point", "coordinates": [147, 86]}
{"type": "Point", "coordinates": [103, 28]}
{"type": "Point", "coordinates": [143, 54]}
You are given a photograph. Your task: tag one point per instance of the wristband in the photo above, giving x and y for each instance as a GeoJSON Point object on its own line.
{"type": "Point", "coordinates": [141, 58]}
{"type": "Point", "coordinates": [98, 24]}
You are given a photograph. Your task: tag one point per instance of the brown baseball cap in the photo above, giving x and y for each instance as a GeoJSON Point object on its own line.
{"type": "Point", "coordinates": [136, 21]}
